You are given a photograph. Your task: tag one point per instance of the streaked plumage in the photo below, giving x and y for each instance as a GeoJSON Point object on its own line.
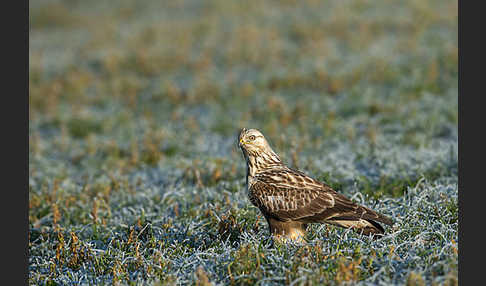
{"type": "Point", "coordinates": [289, 199]}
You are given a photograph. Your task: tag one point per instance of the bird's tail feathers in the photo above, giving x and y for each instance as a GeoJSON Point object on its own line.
{"type": "Point", "coordinates": [360, 225]}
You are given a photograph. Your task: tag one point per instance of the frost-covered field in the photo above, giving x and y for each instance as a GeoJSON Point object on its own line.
{"type": "Point", "coordinates": [135, 176]}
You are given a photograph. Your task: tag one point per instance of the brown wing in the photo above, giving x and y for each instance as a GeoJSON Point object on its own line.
{"type": "Point", "coordinates": [289, 195]}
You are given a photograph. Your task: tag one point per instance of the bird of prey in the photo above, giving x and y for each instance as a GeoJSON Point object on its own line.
{"type": "Point", "coordinates": [290, 200]}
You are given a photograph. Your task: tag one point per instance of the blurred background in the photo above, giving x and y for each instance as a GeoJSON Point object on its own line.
{"type": "Point", "coordinates": [128, 98]}
{"type": "Point", "coordinates": [144, 81]}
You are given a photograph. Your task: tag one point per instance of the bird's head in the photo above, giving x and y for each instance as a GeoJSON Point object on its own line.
{"type": "Point", "coordinates": [253, 144]}
{"type": "Point", "coordinates": [252, 141]}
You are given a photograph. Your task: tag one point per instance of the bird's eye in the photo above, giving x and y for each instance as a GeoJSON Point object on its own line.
{"type": "Point", "coordinates": [252, 137]}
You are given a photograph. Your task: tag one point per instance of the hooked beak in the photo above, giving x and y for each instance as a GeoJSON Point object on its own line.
{"type": "Point", "coordinates": [241, 142]}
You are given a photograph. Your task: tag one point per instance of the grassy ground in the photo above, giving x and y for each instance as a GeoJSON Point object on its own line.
{"type": "Point", "coordinates": [135, 176]}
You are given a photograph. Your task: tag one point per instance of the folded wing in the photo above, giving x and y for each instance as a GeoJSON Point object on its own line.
{"type": "Point", "coordinates": [292, 196]}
